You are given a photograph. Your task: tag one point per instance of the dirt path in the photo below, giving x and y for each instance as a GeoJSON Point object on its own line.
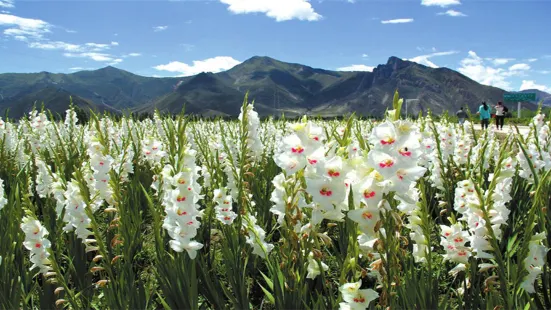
{"type": "Point", "coordinates": [523, 129]}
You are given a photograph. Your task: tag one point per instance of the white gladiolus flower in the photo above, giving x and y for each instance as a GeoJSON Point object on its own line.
{"type": "Point", "coordinates": [37, 243]}
{"type": "Point", "coordinates": [3, 200]}
{"type": "Point", "coordinates": [253, 124]}
{"type": "Point", "coordinates": [224, 207]}
{"type": "Point", "coordinates": [256, 237]}
{"type": "Point", "coordinates": [44, 179]}
{"type": "Point", "coordinates": [356, 298]}
{"type": "Point", "coordinates": [180, 195]}
{"type": "Point", "coordinates": [534, 262]}
{"type": "Point", "coordinates": [314, 268]}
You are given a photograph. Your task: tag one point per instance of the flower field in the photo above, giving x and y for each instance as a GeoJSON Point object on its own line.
{"type": "Point", "coordinates": [179, 213]}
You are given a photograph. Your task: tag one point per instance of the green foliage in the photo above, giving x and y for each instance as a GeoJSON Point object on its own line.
{"type": "Point", "coordinates": [132, 265]}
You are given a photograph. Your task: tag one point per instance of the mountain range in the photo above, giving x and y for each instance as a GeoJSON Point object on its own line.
{"type": "Point", "coordinates": [541, 96]}
{"type": "Point", "coordinates": [277, 87]}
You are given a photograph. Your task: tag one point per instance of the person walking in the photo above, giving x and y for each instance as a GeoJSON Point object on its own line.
{"type": "Point", "coordinates": [484, 112]}
{"type": "Point", "coordinates": [500, 115]}
{"type": "Point", "coordinates": [461, 115]}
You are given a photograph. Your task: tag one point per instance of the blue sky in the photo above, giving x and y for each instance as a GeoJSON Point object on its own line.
{"type": "Point", "coordinates": [502, 43]}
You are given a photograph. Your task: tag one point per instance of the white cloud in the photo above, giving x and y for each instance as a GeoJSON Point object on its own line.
{"type": "Point", "coordinates": [423, 49]}
{"type": "Point", "coordinates": [440, 3]}
{"type": "Point", "coordinates": [93, 56]}
{"type": "Point", "coordinates": [115, 61]}
{"type": "Point", "coordinates": [56, 45]}
{"type": "Point", "coordinates": [424, 59]}
{"type": "Point", "coordinates": [453, 13]}
{"type": "Point", "coordinates": [19, 26]}
{"type": "Point", "coordinates": [70, 31]}
{"type": "Point", "coordinates": [477, 69]}
{"type": "Point", "coordinates": [532, 85]}
{"type": "Point", "coordinates": [519, 67]}
{"type": "Point", "coordinates": [473, 66]}
{"type": "Point", "coordinates": [69, 47]}
{"type": "Point", "coordinates": [93, 51]}
{"type": "Point", "coordinates": [132, 55]}
{"type": "Point", "coordinates": [215, 64]}
{"type": "Point", "coordinates": [500, 61]}
{"type": "Point", "coordinates": [99, 57]}
{"type": "Point", "coordinates": [365, 55]}
{"type": "Point", "coordinates": [79, 69]}
{"type": "Point", "coordinates": [397, 21]}
{"type": "Point", "coordinates": [160, 28]}
{"type": "Point", "coordinates": [356, 68]}
{"type": "Point", "coordinates": [97, 47]}
{"type": "Point", "coordinates": [532, 59]}
{"type": "Point", "coordinates": [33, 32]}
{"type": "Point", "coordinates": [280, 10]}
{"type": "Point", "coordinates": [7, 3]}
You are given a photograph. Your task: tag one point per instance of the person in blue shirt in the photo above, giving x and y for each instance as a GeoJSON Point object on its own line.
{"type": "Point", "coordinates": [484, 112]}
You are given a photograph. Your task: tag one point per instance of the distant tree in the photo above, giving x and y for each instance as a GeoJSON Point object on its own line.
{"type": "Point", "coordinates": [144, 116]}
{"type": "Point", "coordinates": [82, 116]}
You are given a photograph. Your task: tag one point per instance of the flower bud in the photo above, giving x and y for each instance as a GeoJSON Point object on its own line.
{"type": "Point", "coordinates": [58, 290]}
{"type": "Point", "coordinates": [115, 241]}
{"type": "Point", "coordinates": [94, 269]}
{"type": "Point", "coordinates": [101, 283]}
{"type": "Point", "coordinates": [91, 249]}
{"type": "Point", "coordinates": [326, 239]}
{"type": "Point", "coordinates": [486, 267]}
{"type": "Point", "coordinates": [115, 259]}
{"type": "Point", "coordinates": [110, 210]}
{"type": "Point", "coordinates": [491, 281]}
{"type": "Point", "coordinates": [317, 253]}
{"type": "Point", "coordinates": [97, 258]}
{"type": "Point", "coordinates": [60, 302]}
{"type": "Point", "coordinates": [352, 262]}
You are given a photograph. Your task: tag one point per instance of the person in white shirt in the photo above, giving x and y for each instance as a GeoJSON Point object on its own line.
{"type": "Point", "coordinates": [500, 115]}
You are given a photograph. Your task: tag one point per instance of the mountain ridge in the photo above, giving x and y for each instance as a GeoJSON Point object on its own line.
{"type": "Point", "coordinates": [542, 96]}
{"type": "Point", "coordinates": [277, 87]}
